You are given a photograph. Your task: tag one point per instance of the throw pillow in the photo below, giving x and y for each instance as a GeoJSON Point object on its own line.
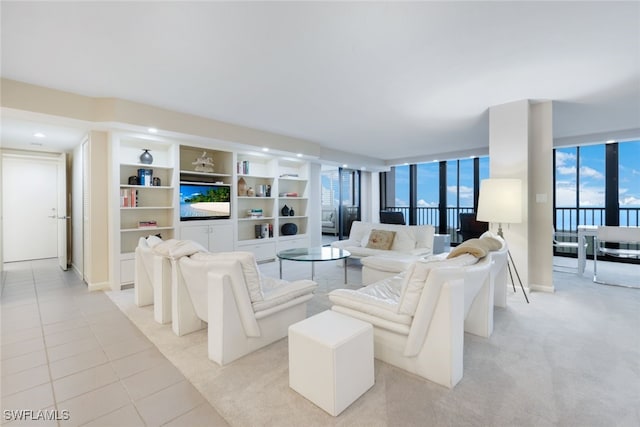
{"type": "Point", "coordinates": [476, 247]}
{"type": "Point", "coordinates": [381, 239]}
{"type": "Point", "coordinates": [491, 243]}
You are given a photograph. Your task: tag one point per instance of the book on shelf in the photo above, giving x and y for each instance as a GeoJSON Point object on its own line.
{"type": "Point", "coordinates": [242, 167]}
{"type": "Point", "coordinates": [145, 177]}
{"type": "Point", "coordinates": [128, 198]}
{"type": "Point", "coordinates": [289, 194]}
{"type": "Point", "coordinates": [289, 175]}
{"type": "Point", "coordinates": [147, 224]}
{"type": "Point", "coordinates": [255, 213]}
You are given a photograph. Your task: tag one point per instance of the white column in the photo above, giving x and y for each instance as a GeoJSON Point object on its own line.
{"type": "Point", "coordinates": [541, 197]}
{"type": "Point", "coordinates": [520, 146]}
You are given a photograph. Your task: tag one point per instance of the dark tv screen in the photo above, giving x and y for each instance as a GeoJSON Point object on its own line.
{"type": "Point", "coordinates": [204, 201]}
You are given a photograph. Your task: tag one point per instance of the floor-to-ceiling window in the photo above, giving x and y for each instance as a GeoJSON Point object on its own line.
{"type": "Point", "coordinates": [428, 195]}
{"type": "Point", "coordinates": [629, 184]}
{"type": "Point", "coordinates": [435, 192]}
{"type": "Point", "coordinates": [349, 200]}
{"type": "Point", "coordinates": [596, 184]}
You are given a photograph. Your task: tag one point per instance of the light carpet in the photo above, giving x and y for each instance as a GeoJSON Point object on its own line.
{"type": "Point", "coordinates": [571, 358]}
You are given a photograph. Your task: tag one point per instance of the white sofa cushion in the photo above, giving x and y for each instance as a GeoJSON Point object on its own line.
{"type": "Point", "coordinates": [403, 241]}
{"type": "Point", "coordinates": [175, 249]}
{"type": "Point", "coordinates": [416, 277]}
{"type": "Point", "coordinates": [249, 269]}
{"type": "Point", "coordinates": [379, 299]}
{"type": "Point", "coordinates": [277, 291]}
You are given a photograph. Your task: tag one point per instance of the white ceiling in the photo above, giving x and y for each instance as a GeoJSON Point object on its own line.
{"type": "Point", "coordinates": [389, 80]}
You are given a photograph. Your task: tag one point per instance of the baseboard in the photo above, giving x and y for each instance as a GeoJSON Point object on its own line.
{"type": "Point", "coordinates": [102, 286]}
{"type": "Point", "coordinates": [76, 270]}
{"type": "Point", "coordinates": [542, 288]}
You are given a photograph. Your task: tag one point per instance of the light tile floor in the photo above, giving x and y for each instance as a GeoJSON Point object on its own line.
{"type": "Point", "coordinates": [66, 349]}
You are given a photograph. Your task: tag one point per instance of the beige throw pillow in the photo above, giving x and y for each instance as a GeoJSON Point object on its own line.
{"type": "Point", "coordinates": [381, 239]}
{"type": "Point", "coordinates": [475, 247]}
{"type": "Point", "coordinates": [491, 243]}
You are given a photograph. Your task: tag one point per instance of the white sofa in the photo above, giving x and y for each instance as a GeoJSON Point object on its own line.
{"type": "Point", "coordinates": [410, 241]}
{"type": "Point", "coordinates": [152, 277]}
{"type": "Point", "coordinates": [376, 268]}
{"type": "Point", "coordinates": [420, 316]}
{"type": "Point", "coordinates": [243, 310]}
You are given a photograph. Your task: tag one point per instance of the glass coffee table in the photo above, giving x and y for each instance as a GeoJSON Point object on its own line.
{"type": "Point", "coordinates": [318, 253]}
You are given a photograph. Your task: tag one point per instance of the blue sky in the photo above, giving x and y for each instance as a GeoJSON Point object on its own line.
{"type": "Point", "coordinates": [592, 176]}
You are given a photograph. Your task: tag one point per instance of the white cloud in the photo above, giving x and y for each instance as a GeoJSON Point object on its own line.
{"type": "Point", "coordinates": [590, 173]}
{"type": "Point", "coordinates": [565, 196]}
{"type": "Point", "coordinates": [630, 201]}
{"type": "Point", "coordinates": [463, 189]}
{"type": "Point", "coordinates": [591, 196]}
{"type": "Point", "coordinates": [566, 170]}
{"type": "Point", "coordinates": [563, 158]}
{"type": "Point", "coordinates": [424, 204]}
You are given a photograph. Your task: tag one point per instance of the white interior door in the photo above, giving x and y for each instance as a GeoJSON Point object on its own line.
{"type": "Point", "coordinates": [29, 208]}
{"type": "Point", "coordinates": [62, 218]}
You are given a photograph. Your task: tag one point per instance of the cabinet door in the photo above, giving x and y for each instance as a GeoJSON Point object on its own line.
{"type": "Point", "coordinates": [221, 238]}
{"type": "Point", "coordinates": [197, 233]}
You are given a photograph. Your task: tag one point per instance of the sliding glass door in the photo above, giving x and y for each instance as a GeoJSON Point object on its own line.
{"type": "Point", "coordinates": [349, 195]}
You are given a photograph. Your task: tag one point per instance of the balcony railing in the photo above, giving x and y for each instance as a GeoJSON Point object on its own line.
{"type": "Point", "coordinates": [567, 221]}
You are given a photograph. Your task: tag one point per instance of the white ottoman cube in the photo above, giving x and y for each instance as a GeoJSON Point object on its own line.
{"type": "Point", "coordinates": [331, 359]}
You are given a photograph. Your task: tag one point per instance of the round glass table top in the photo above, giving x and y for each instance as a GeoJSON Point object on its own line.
{"type": "Point", "coordinates": [318, 253]}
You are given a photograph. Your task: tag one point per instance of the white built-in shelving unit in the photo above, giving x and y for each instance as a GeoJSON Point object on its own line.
{"type": "Point", "coordinates": [274, 181]}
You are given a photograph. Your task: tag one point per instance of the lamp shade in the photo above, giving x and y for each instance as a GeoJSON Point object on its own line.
{"type": "Point", "coordinates": [500, 201]}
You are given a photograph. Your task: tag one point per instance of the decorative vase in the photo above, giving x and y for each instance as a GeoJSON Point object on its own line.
{"type": "Point", "coordinates": [251, 192]}
{"type": "Point", "coordinates": [289, 229]}
{"type": "Point", "coordinates": [242, 187]}
{"type": "Point", "coordinates": [291, 212]}
{"type": "Point", "coordinates": [285, 211]}
{"type": "Point", "coordinates": [146, 158]}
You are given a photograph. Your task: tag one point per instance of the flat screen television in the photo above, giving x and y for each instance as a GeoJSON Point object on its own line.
{"type": "Point", "coordinates": [204, 201]}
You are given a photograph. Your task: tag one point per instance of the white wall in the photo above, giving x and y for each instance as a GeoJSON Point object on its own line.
{"type": "Point", "coordinates": [314, 207]}
{"type": "Point", "coordinates": [77, 246]}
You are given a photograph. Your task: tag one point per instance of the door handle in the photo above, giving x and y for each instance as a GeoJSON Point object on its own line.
{"type": "Point", "coordinates": [64, 217]}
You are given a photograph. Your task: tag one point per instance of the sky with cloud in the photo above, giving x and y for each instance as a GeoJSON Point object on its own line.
{"type": "Point", "coordinates": [591, 173]}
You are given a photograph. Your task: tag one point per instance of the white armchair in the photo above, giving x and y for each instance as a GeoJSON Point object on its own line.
{"type": "Point", "coordinates": [419, 316]}
{"type": "Point", "coordinates": [152, 280]}
{"type": "Point", "coordinates": [244, 310]}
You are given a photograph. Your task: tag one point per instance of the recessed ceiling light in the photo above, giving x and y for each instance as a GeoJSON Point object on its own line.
{"type": "Point", "coordinates": [611, 141]}
{"type": "Point", "coordinates": [265, 149]}
{"type": "Point", "coordinates": [406, 163]}
{"type": "Point", "coordinates": [345, 165]}
{"type": "Point", "coordinates": [39, 135]}
{"type": "Point", "coordinates": [152, 130]}
{"type": "Point", "coordinates": [299, 155]}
